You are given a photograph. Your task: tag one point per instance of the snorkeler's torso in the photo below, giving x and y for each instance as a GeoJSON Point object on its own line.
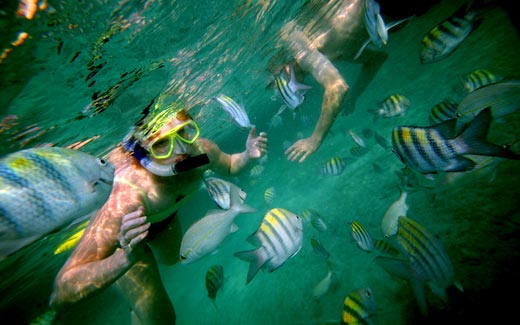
{"type": "Point", "coordinates": [336, 28]}
{"type": "Point", "coordinates": [160, 196]}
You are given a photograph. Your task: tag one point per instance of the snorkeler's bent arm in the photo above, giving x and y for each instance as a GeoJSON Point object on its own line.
{"type": "Point", "coordinates": [324, 71]}
{"type": "Point", "coordinates": [96, 262]}
{"type": "Point", "coordinates": [223, 163]}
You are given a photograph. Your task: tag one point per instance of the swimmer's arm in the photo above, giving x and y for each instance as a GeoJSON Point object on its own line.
{"type": "Point", "coordinates": [231, 164]}
{"type": "Point", "coordinates": [326, 74]}
{"type": "Point", "coordinates": [96, 263]}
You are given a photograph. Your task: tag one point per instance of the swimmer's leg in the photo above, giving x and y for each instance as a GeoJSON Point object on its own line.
{"type": "Point", "coordinates": [144, 291]}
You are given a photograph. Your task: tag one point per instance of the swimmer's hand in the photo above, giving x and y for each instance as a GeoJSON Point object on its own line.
{"type": "Point", "coordinates": [256, 145]}
{"type": "Point", "coordinates": [302, 149]}
{"type": "Point", "coordinates": [134, 229]}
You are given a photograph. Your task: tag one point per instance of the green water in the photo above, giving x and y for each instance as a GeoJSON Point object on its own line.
{"type": "Point", "coordinates": [205, 49]}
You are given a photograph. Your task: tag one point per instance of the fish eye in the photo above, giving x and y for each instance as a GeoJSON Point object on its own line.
{"type": "Point", "coordinates": [103, 162]}
{"type": "Point", "coordinates": [182, 257]}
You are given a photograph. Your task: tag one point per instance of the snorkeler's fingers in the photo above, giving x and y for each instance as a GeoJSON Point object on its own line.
{"type": "Point", "coordinates": [138, 239]}
{"type": "Point", "coordinates": [136, 232]}
{"type": "Point", "coordinates": [133, 215]}
{"type": "Point", "coordinates": [305, 155]}
{"type": "Point", "coordinates": [129, 224]}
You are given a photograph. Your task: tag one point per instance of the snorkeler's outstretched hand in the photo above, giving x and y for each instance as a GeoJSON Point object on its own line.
{"type": "Point", "coordinates": [256, 145]}
{"type": "Point", "coordinates": [134, 229]}
{"type": "Point", "coordinates": [302, 149]}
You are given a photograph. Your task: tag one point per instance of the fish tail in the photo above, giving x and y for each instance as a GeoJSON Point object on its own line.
{"type": "Point", "coordinates": [255, 259]}
{"type": "Point", "coordinates": [235, 202]}
{"type": "Point", "coordinates": [474, 138]}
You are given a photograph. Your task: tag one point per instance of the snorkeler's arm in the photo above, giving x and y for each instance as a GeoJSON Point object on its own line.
{"type": "Point", "coordinates": [231, 164]}
{"type": "Point", "coordinates": [97, 261]}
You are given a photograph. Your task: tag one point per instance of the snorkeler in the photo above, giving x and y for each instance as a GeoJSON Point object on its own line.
{"type": "Point", "coordinates": [325, 31]}
{"type": "Point", "coordinates": [158, 166]}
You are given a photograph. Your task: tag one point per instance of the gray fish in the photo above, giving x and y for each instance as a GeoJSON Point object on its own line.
{"type": "Point", "coordinates": [436, 148]}
{"type": "Point", "coordinates": [503, 98]}
{"type": "Point", "coordinates": [44, 189]}
{"type": "Point", "coordinates": [206, 234]}
{"type": "Point", "coordinates": [236, 111]}
{"type": "Point", "coordinates": [382, 141]}
{"type": "Point", "coordinates": [279, 237]}
{"type": "Point", "coordinates": [214, 281]}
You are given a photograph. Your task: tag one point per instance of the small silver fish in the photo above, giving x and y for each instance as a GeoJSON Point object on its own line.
{"type": "Point", "coordinates": [44, 189]}
{"type": "Point", "coordinates": [357, 139]}
{"type": "Point", "coordinates": [391, 218]}
{"type": "Point", "coordinates": [206, 234]}
{"type": "Point", "coordinates": [236, 111]}
{"type": "Point", "coordinates": [323, 286]}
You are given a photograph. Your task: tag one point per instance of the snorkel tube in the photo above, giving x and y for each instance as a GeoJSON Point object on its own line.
{"type": "Point", "coordinates": [175, 168]}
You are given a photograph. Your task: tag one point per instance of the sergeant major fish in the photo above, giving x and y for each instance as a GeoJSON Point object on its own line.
{"type": "Point", "coordinates": [44, 189]}
{"type": "Point", "coordinates": [279, 237]}
{"type": "Point", "coordinates": [394, 105]}
{"type": "Point", "coordinates": [424, 262]}
{"type": "Point", "coordinates": [214, 281]}
{"type": "Point", "coordinates": [359, 307]}
{"type": "Point", "coordinates": [206, 234]}
{"type": "Point", "coordinates": [446, 37]}
{"type": "Point", "coordinates": [219, 189]}
{"type": "Point", "coordinates": [236, 111]}
{"type": "Point", "coordinates": [436, 149]}
{"type": "Point", "coordinates": [292, 91]}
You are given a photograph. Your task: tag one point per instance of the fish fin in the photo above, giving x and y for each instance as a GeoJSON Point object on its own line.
{"type": "Point", "coordinates": [294, 84]}
{"type": "Point", "coordinates": [256, 261]}
{"type": "Point", "coordinates": [233, 228]}
{"type": "Point", "coordinates": [460, 164]}
{"type": "Point", "coordinates": [360, 51]}
{"type": "Point", "coordinates": [474, 137]}
{"type": "Point", "coordinates": [236, 202]}
{"type": "Point", "coordinates": [9, 247]}
{"type": "Point", "coordinates": [401, 269]}
{"type": "Point", "coordinates": [446, 128]}
{"type": "Point", "coordinates": [282, 108]}
{"type": "Point", "coordinates": [395, 266]}
{"type": "Point", "coordinates": [420, 296]}
{"type": "Point", "coordinates": [397, 22]}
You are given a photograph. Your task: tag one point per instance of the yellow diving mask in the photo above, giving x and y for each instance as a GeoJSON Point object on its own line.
{"type": "Point", "coordinates": [163, 147]}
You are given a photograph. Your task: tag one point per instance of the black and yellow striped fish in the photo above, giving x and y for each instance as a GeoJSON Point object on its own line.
{"type": "Point", "coordinates": [361, 236]}
{"type": "Point", "coordinates": [394, 105]}
{"type": "Point", "coordinates": [359, 307]}
{"type": "Point", "coordinates": [280, 237]}
{"type": "Point", "coordinates": [214, 281]}
{"type": "Point", "coordinates": [333, 167]}
{"type": "Point", "coordinates": [479, 78]}
{"type": "Point", "coordinates": [436, 148]}
{"type": "Point", "coordinates": [443, 111]}
{"type": "Point", "coordinates": [444, 38]}
{"type": "Point", "coordinates": [426, 262]}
